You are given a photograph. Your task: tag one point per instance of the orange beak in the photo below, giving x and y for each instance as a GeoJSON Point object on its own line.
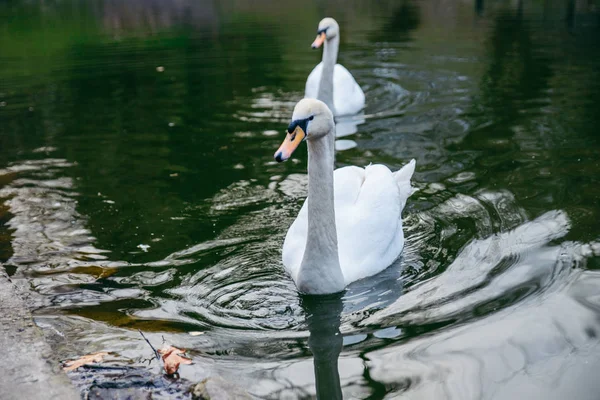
{"type": "Point", "coordinates": [319, 40]}
{"type": "Point", "coordinates": [290, 143]}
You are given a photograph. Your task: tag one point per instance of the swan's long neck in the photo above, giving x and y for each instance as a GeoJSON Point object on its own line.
{"type": "Point", "coordinates": [330, 53]}
{"type": "Point", "coordinates": [320, 270]}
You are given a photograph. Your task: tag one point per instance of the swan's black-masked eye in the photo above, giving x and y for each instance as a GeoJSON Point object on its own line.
{"type": "Point", "coordinates": [302, 123]}
{"type": "Point", "coordinates": [311, 117]}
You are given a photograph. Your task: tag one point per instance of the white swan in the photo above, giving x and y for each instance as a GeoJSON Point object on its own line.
{"type": "Point", "coordinates": [330, 82]}
{"type": "Point", "coordinates": [350, 225]}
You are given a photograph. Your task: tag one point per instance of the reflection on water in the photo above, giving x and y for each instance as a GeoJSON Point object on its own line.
{"type": "Point", "coordinates": [139, 192]}
{"type": "Point", "coordinates": [325, 342]}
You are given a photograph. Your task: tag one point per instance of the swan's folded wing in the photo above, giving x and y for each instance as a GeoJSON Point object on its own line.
{"type": "Point", "coordinates": [348, 97]}
{"type": "Point", "coordinates": [368, 224]}
{"type": "Point", "coordinates": [402, 177]}
{"type": "Point", "coordinates": [348, 182]}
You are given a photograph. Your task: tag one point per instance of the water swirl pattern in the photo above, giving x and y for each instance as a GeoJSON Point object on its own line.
{"type": "Point", "coordinates": [138, 191]}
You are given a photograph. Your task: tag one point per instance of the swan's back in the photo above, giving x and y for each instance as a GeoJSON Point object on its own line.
{"type": "Point", "coordinates": [368, 213]}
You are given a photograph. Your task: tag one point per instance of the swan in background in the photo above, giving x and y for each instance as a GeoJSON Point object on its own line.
{"type": "Point", "coordinates": [330, 82]}
{"type": "Point", "coordinates": [350, 226]}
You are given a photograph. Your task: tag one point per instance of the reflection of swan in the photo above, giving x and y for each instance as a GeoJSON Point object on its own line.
{"type": "Point", "coordinates": [346, 126]}
{"type": "Point", "coordinates": [330, 82]}
{"type": "Point", "coordinates": [325, 342]}
{"type": "Point", "coordinates": [335, 241]}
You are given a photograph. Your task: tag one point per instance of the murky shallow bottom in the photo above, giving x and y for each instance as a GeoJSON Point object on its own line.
{"type": "Point", "coordinates": [172, 223]}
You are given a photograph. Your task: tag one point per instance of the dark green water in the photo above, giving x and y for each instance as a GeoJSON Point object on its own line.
{"type": "Point", "coordinates": [154, 124]}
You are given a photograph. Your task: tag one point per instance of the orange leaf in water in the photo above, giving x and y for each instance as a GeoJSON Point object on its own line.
{"type": "Point", "coordinates": [85, 360]}
{"type": "Point", "coordinates": [172, 357]}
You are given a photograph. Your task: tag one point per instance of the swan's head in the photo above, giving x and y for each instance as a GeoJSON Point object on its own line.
{"type": "Point", "coordinates": [312, 119]}
{"type": "Point", "coordinates": [328, 29]}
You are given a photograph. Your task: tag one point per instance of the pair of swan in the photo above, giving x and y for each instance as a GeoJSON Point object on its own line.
{"type": "Point", "coordinates": [350, 226]}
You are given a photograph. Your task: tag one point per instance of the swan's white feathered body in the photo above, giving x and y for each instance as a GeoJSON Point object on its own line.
{"type": "Point", "coordinates": [348, 97]}
{"type": "Point", "coordinates": [368, 216]}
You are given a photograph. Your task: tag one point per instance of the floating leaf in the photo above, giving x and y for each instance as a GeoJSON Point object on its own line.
{"type": "Point", "coordinates": [172, 357]}
{"type": "Point", "coordinates": [85, 360]}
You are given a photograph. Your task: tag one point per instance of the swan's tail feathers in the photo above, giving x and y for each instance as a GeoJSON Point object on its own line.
{"type": "Point", "coordinates": [402, 177]}
{"type": "Point", "coordinates": [405, 173]}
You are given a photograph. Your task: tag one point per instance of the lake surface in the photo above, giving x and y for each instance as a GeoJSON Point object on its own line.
{"type": "Point", "coordinates": [138, 191]}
